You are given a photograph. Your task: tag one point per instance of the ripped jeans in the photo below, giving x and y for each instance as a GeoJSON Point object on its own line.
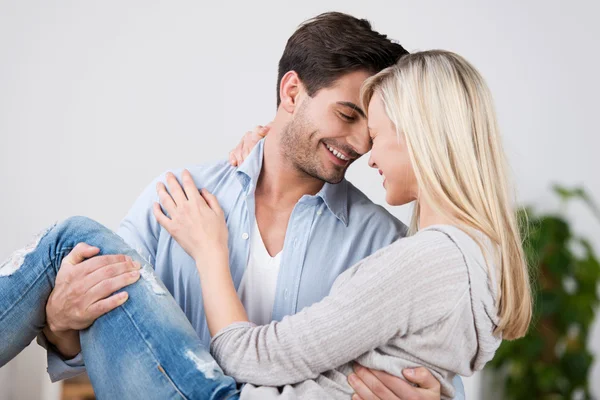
{"type": "Point", "coordinates": [144, 349]}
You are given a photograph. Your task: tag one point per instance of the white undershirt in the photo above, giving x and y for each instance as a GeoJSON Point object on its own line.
{"type": "Point", "coordinates": [257, 288]}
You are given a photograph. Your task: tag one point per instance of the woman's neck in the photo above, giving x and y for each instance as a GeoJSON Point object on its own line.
{"type": "Point", "coordinates": [428, 216]}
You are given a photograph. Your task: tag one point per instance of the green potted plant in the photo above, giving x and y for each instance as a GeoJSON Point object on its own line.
{"type": "Point", "coordinates": [553, 361]}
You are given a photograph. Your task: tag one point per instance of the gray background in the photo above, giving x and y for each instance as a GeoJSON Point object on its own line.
{"type": "Point", "coordinates": [97, 98]}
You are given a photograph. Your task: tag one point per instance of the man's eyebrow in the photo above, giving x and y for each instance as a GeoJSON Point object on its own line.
{"type": "Point", "coordinates": [354, 107]}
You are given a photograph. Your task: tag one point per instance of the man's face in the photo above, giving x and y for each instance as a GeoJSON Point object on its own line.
{"type": "Point", "coordinates": [328, 131]}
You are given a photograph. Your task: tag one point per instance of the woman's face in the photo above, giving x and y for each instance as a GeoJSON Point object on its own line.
{"type": "Point", "coordinates": [390, 156]}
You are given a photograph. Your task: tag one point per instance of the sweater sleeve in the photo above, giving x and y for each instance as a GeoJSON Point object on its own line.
{"type": "Point", "coordinates": [399, 290]}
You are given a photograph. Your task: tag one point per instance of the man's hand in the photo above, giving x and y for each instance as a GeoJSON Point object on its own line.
{"type": "Point", "coordinates": [81, 294]}
{"type": "Point", "coordinates": [370, 384]}
{"type": "Point", "coordinates": [250, 139]}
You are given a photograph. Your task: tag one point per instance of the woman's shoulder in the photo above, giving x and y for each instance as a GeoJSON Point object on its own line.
{"type": "Point", "coordinates": [442, 247]}
{"type": "Point", "coordinates": [435, 242]}
{"type": "Point", "coordinates": [479, 256]}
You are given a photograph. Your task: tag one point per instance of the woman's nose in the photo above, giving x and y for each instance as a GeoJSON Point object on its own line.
{"type": "Point", "coordinates": [372, 163]}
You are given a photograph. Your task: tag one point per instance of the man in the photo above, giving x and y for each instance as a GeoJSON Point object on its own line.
{"type": "Point", "coordinates": [295, 223]}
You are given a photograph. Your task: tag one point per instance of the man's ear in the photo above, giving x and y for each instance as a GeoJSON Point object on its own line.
{"type": "Point", "coordinates": [289, 90]}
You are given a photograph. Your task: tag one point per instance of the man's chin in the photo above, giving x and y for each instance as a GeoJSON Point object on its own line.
{"type": "Point", "coordinates": [335, 181]}
{"type": "Point", "coordinates": [329, 175]}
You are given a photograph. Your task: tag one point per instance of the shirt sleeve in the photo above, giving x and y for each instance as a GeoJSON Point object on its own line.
{"type": "Point", "coordinates": [459, 388]}
{"type": "Point", "coordinates": [139, 229]}
{"type": "Point", "coordinates": [384, 295]}
{"type": "Point", "coordinates": [60, 368]}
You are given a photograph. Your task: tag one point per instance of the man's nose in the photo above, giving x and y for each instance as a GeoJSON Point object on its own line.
{"type": "Point", "coordinates": [360, 142]}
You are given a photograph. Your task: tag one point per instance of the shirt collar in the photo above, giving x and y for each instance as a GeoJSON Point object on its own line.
{"type": "Point", "coordinates": [249, 171]}
{"type": "Point", "coordinates": [335, 196]}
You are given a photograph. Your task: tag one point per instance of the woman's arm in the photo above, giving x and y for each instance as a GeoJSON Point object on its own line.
{"type": "Point", "coordinates": [222, 305]}
{"type": "Point", "coordinates": [401, 289]}
{"type": "Point", "coordinates": [397, 291]}
{"type": "Point", "coordinates": [196, 221]}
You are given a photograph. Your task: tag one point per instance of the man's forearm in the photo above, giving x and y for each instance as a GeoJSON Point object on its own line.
{"type": "Point", "coordinates": [66, 342]}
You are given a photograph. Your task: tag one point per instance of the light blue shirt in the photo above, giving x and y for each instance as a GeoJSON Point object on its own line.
{"type": "Point", "coordinates": [327, 233]}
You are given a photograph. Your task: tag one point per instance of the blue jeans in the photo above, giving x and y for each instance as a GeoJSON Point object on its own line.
{"type": "Point", "coordinates": [145, 348]}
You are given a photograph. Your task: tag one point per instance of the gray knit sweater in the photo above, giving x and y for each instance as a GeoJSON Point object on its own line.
{"type": "Point", "coordinates": [426, 300]}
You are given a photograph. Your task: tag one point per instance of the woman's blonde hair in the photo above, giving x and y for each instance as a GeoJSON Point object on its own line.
{"type": "Point", "coordinates": [444, 108]}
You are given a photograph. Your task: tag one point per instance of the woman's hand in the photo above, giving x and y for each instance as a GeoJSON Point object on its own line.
{"type": "Point", "coordinates": [250, 139]}
{"type": "Point", "coordinates": [196, 221]}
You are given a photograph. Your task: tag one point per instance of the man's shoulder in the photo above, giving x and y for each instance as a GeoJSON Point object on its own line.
{"type": "Point", "coordinates": [207, 169]}
{"type": "Point", "coordinates": [362, 211]}
{"type": "Point", "coordinates": [209, 175]}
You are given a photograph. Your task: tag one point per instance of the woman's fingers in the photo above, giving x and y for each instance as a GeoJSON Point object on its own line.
{"type": "Point", "coordinates": [236, 154]}
{"type": "Point", "coordinates": [212, 201]}
{"type": "Point", "coordinates": [252, 138]}
{"type": "Point", "coordinates": [235, 157]}
{"type": "Point", "coordinates": [175, 189]}
{"type": "Point", "coordinates": [162, 219]}
{"type": "Point", "coordinates": [247, 144]}
{"type": "Point", "coordinates": [262, 131]}
{"type": "Point", "coordinates": [232, 159]}
{"type": "Point", "coordinates": [191, 191]}
{"type": "Point", "coordinates": [165, 198]}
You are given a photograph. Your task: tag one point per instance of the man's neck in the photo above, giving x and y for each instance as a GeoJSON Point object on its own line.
{"type": "Point", "coordinates": [280, 182]}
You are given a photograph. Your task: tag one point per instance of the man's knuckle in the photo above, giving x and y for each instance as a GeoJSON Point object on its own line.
{"type": "Point", "coordinates": [106, 285]}
{"type": "Point", "coordinates": [76, 290]}
{"type": "Point", "coordinates": [110, 270]}
{"type": "Point", "coordinates": [421, 373]}
{"type": "Point", "coordinates": [103, 307]}
{"type": "Point", "coordinates": [92, 309]}
{"type": "Point", "coordinates": [378, 388]}
{"type": "Point", "coordinates": [362, 373]}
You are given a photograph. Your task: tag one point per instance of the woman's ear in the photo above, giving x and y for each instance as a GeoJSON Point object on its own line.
{"type": "Point", "coordinates": [289, 89]}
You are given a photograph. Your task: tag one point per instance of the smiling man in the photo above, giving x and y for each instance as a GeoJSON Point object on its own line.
{"type": "Point", "coordinates": [295, 223]}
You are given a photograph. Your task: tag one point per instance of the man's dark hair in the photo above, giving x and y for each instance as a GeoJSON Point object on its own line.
{"type": "Point", "coordinates": [333, 44]}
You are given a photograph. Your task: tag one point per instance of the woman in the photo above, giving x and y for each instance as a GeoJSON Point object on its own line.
{"type": "Point", "coordinates": [441, 298]}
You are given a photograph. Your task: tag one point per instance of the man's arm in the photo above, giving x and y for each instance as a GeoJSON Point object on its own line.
{"type": "Point", "coordinates": [139, 229]}
{"type": "Point", "coordinates": [85, 282]}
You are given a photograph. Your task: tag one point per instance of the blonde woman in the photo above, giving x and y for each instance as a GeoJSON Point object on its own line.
{"type": "Point", "coordinates": [442, 298]}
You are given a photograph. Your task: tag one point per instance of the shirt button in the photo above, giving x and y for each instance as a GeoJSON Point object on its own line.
{"type": "Point", "coordinates": [319, 212]}
{"type": "Point", "coordinates": [295, 242]}
{"type": "Point", "coordinates": [245, 236]}
{"type": "Point", "coordinates": [286, 294]}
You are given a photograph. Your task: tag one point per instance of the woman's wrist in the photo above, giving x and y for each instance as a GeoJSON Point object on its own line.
{"type": "Point", "coordinates": [217, 258]}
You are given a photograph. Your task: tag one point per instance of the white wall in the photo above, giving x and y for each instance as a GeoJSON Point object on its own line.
{"type": "Point", "coordinates": [97, 98]}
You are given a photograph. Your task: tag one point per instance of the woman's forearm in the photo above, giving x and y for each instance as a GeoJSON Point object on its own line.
{"type": "Point", "coordinates": [222, 305]}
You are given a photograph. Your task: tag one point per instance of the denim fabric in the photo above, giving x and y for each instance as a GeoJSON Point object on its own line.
{"type": "Point", "coordinates": [145, 348]}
